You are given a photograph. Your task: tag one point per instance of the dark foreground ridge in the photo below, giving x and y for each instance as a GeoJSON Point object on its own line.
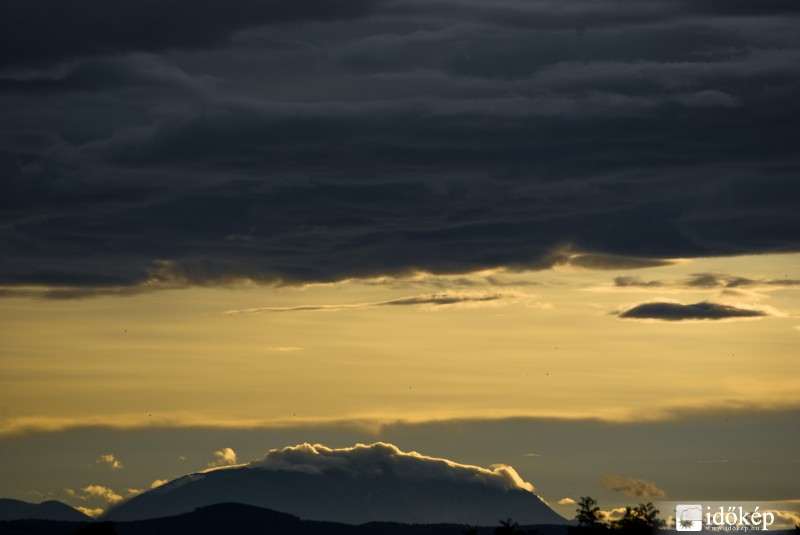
{"type": "Point", "coordinates": [49, 510]}
{"type": "Point", "coordinates": [240, 519]}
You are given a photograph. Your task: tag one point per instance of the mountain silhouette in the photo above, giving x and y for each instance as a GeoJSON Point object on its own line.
{"type": "Point", "coordinates": [49, 510]}
{"type": "Point", "coordinates": [352, 486]}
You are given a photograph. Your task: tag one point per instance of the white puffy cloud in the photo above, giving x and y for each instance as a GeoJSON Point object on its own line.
{"type": "Point", "coordinates": [386, 459]}
{"type": "Point", "coordinates": [223, 457]}
{"type": "Point", "coordinates": [155, 484]}
{"type": "Point", "coordinates": [92, 512]}
{"type": "Point", "coordinates": [784, 519]}
{"type": "Point", "coordinates": [103, 493]}
{"type": "Point", "coordinates": [95, 493]}
{"type": "Point", "coordinates": [565, 501]}
{"type": "Point", "coordinates": [613, 515]}
{"type": "Point", "coordinates": [111, 461]}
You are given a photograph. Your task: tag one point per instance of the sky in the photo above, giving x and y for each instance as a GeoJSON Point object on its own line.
{"type": "Point", "coordinates": [559, 236]}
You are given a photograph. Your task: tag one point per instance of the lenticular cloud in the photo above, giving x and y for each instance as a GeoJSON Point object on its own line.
{"type": "Point", "coordinates": [381, 459]}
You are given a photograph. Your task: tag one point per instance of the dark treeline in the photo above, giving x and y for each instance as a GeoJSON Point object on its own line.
{"type": "Point", "coordinates": [636, 520]}
{"type": "Point", "coordinates": [240, 519]}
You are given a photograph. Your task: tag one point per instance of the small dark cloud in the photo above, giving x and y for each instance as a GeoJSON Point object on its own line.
{"type": "Point", "coordinates": [669, 311]}
{"type": "Point", "coordinates": [495, 280]}
{"type": "Point", "coordinates": [705, 280]}
{"type": "Point", "coordinates": [633, 487]}
{"type": "Point", "coordinates": [727, 284]}
{"type": "Point", "coordinates": [721, 280]}
{"type": "Point", "coordinates": [783, 282]}
{"type": "Point", "coordinates": [635, 281]}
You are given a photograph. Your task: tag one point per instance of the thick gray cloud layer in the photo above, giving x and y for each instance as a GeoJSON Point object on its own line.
{"type": "Point", "coordinates": [201, 142]}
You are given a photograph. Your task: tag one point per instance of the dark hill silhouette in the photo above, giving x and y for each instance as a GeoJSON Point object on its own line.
{"type": "Point", "coordinates": [240, 519]}
{"type": "Point", "coordinates": [49, 510]}
{"type": "Point", "coordinates": [40, 527]}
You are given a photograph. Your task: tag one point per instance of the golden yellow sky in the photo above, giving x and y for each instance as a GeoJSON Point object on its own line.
{"type": "Point", "coordinates": [543, 343]}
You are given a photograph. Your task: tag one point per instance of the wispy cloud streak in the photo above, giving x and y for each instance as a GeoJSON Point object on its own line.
{"type": "Point", "coordinates": [437, 299]}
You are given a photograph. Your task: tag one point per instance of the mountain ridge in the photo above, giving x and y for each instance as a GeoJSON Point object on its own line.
{"type": "Point", "coordinates": [11, 509]}
{"type": "Point", "coordinates": [356, 485]}
{"type": "Point", "coordinates": [339, 497]}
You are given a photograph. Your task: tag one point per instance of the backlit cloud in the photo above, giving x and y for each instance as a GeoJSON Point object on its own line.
{"type": "Point", "coordinates": [110, 461]}
{"type": "Point", "coordinates": [381, 458]}
{"type": "Point", "coordinates": [634, 487]}
{"type": "Point", "coordinates": [95, 492]}
{"type": "Point", "coordinates": [223, 457]}
{"type": "Point", "coordinates": [93, 512]}
{"type": "Point", "coordinates": [785, 519]}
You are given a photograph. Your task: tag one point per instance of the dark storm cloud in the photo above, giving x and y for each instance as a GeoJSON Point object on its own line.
{"type": "Point", "coordinates": [161, 146]}
{"type": "Point", "coordinates": [44, 31]}
{"type": "Point", "coordinates": [552, 13]}
{"type": "Point", "coordinates": [635, 281]}
{"type": "Point", "coordinates": [669, 311]}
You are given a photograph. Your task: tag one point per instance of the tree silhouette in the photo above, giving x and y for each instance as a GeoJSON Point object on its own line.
{"type": "Point", "coordinates": [97, 528]}
{"type": "Point", "coordinates": [640, 519]}
{"type": "Point", "coordinates": [507, 527]}
{"type": "Point", "coordinates": [589, 516]}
